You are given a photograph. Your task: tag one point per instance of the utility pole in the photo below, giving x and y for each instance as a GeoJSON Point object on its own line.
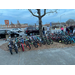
{"type": "Point", "coordinates": [60, 18]}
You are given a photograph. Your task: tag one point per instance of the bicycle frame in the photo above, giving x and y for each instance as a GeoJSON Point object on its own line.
{"type": "Point", "coordinates": [26, 43]}
{"type": "Point", "coordinates": [72, 39]}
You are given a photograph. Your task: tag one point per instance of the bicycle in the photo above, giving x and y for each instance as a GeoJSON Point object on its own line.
{"type": "Point", "coordinates": [32, 42]}
{"type": "Point", "coordinates": [43, 40]}
{"type": "Point", "coordinates": [37, 41]}
{"type": "Point", "coordinates": [10, 47]}
{"type": "Point", "coordinates": [26, 44]}
{"type": "Point", "coordinates": [72, 38]}
{"type": "Point", "coordinates": [21, 41]}
{"type": "Point", "coordinates": [47, 41]}
{"type": "Point", "coordinates": [13, 45]}
{"type": "Point", "coordinates": [40, 41]}
{"type": "Point", "coordinates": [49, 38]}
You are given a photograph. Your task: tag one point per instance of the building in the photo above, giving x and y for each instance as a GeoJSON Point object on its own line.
{"type": "Point", "coordinates": [15, 26]}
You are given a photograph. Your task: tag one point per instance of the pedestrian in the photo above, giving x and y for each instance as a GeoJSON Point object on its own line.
{"type": "Point", "coordinates": [43, 31]}
{"type": "Point", "coordinates": [71, 29]}
{"type": "Point", "coordinates": [62, 28]}
{"type": "Point", "coordinates": [68, 29]}
{"type": "Point", "coordinates": [48, 29]}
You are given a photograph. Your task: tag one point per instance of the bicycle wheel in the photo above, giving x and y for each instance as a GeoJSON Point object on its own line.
{"type": "Point", "coordinates": [59, 41]}
{"type": "Point", "coordinates": [22, 47]}
{"type": "Point", "coordinates": [29, 47]}
{"type": "Point", "coordinates": [72, 41]}
{"type": "Point", "coordinates": [16, 49]}
{"type": "Point", "coordinates": [35, 45]}
{"type": "Point", "coordinates": [62, 41]}
{"type": "Point", "coordinates": [69, 42]}
{"type": "Point", "coordinates": [40, 44]}
{"type": "Point", "coordinates": [10, 49]}
{"type": "Point", "coordinates": [25, 45]}
{"type": "Point", "coordinates": [48, 42]}
{"type": "Point", "coordinates": [66, 42]}
{"type": "Point", "coordinates": [18, 44]}
{"type": "Point", "coordinates": [51, 41]}
{"type": "Point", "coordinates": [43, 42]}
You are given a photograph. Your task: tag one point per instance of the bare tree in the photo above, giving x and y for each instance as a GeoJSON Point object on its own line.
{"type": "Point", "coordinates": [39, 16]}
{"type": "Point", "coordinates": [70, 21]}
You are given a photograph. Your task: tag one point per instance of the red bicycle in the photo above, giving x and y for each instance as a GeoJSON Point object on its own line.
{"type": "Point", "coordinates": [21, 45]}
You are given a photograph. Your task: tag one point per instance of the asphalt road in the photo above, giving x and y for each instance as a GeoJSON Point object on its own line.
{"type": "Point", "coordinates": [54, 56]}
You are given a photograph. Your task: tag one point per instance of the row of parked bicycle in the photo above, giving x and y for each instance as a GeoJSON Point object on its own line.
{"type": "Point", "coordinates": [63, 37]}
{"type": "Point", "coordinates": [28, 42]}
{"type": "Point", "coordinates": [36, 41]}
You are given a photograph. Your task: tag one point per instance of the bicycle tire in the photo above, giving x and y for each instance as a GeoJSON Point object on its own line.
{"type": "Point", "coordinates": [29, 47]}
{"type": "Point", "coordinates": [51, 42]}
{"type": "Point", "coordinates": [59, 41]}
{"type": "Point", "coordinates": [72, 41]}
{"type": "Point", "coordinates": [18, 44]}
{"type": "Point", "coordinates": [43, 42]}
{"type": "Point", "coordinates": [22, 47]}
{"type": "Point", "coordinates": [10, 49]}
{"type": "Point", "coordinates": [35, 45]}
{"type": "Point", "coordinates": [48, 42]}
{"type": "Point", "coordinates": [62, 41]}
{"type": "Point", "coordinates": [25, 45]}
{"type": "Point", "coordinates": [16, 49]}
{"type": "Point", "coordinates": [69, 42]}
{"type": "Point", "coordinates": [66, 42]}
{"type": "Point", "coordinates": [40, 44]}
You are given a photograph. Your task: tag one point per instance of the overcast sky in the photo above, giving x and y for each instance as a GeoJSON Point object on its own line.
{"type": "Point", "coordinates": [24, 16]}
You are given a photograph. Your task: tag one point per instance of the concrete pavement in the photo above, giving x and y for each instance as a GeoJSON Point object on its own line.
{"type": "Point", "coordinates": [2, 42]}
{"type": "Point", "coordinates": [54, 56]}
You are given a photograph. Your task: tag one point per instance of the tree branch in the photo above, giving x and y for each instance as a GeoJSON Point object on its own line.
{"type": "Point", "coordinates": [48, 12]}
{"type": "Point", "coordinates": [52, 11]}
{"type": "Point", "coordinates": [32, 13]}
{"type": "Point", "coordinates": [44, 13]}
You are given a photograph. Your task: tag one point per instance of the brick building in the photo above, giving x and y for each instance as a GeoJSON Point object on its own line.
{"type": "Point", "coordinates": [14, 26]}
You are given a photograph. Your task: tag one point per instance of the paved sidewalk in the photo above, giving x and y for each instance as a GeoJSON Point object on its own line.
{"type": "Point", "coordinates": [2, 42]}
{"type": "Point", "coordinates": [54, 56]}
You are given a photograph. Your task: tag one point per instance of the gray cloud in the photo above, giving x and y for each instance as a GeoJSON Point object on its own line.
{"type": "Point", "coordinates": [26, 15]}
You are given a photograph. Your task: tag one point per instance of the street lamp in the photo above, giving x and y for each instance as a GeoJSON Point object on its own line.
{"type": "Point", "coordinates": [60, 18]}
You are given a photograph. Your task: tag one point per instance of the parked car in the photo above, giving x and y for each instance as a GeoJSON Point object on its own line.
{"type": "Point", "coordinates": [3, 33]}
{"type": "Point", "coordinates": [30, 30]}
{"type": "Point", "coordinates": [16, 30]}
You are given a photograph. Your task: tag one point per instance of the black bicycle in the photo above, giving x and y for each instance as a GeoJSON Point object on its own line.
{"type": "Point", "coordinates": [33, 42]}
{"type": "Point", "coordinates": [12, 45]}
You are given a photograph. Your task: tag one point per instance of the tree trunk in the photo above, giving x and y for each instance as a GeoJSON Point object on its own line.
{"type": "Point", "coordinates": [40, 26]}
